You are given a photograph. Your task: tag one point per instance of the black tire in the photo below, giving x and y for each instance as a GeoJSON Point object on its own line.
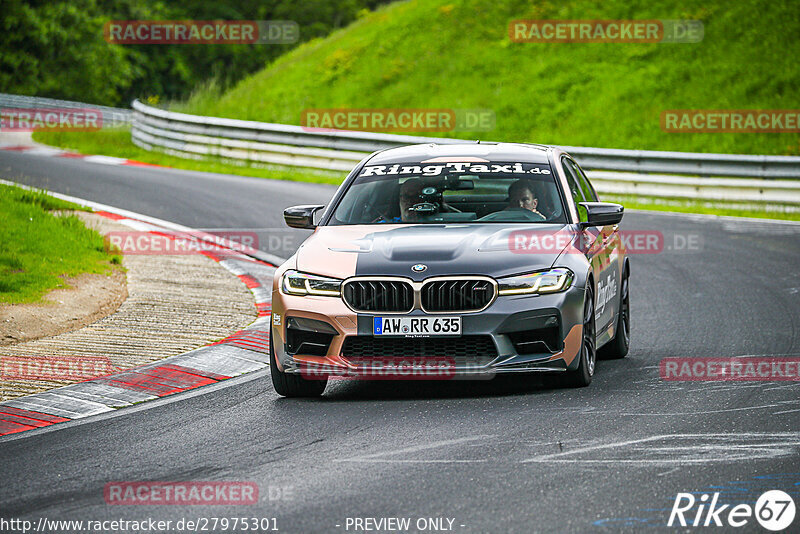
{"type": "Point", "coordinates": [288, 385]}
{"type": "Point", "coordinates": [582, 376]}
{"type": "Point", "coordinates": [617, 348]}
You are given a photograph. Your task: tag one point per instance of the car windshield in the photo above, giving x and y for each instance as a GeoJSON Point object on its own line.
{"type": "Point", "coordinates": [452, 192]}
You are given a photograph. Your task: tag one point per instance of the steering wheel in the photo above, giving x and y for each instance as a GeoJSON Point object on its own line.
{"type": "Point", "coordinates": [380, 216]}
{"type": "Point", "coordinates": [425, 208]}
{"type": "Point", "coordinates": [512, 215]}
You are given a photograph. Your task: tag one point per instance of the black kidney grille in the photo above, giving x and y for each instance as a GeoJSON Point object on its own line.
{"type": "Point", "coordinates": [456, 295]}
{"type": "Point", "coordinates": [475, 348]}
{"type": "Point", "coordinates": [379, 295]}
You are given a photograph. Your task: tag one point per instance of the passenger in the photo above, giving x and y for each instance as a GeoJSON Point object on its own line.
{"type": "Point", "coordinates": [521, 196]}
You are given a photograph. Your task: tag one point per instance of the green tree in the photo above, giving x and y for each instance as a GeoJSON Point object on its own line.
{"type": "Point", "coordinates": [57, 49]}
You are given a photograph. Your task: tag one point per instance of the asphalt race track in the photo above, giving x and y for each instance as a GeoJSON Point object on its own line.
{"type": "Point", "coordinates": [511, 455]}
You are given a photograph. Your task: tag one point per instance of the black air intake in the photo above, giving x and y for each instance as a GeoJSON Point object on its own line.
{"type": "Point", "coordinates": [473, 348]}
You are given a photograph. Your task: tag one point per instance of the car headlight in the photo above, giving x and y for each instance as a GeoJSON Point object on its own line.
{"type": "Point", "coordinates": [296, 283]}
{"type": "Point", "coordinates": [550, 281]}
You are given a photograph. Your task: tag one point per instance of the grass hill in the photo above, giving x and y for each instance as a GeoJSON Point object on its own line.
{"type": "Point", "coordinates": [457, 54]}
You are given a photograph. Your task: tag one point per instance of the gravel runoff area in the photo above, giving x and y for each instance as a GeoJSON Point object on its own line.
{"type": "Point", "coordinates": [175, 303]}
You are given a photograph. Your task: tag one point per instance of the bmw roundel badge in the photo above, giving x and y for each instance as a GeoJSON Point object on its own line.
{"type": "Point", "coordinates": [419, 268]}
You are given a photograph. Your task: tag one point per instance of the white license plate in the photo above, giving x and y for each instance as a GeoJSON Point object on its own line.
{"type": "Point", "coordinates": [430, 325]}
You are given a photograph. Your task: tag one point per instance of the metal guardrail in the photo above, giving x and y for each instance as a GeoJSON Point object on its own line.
{"type": "Point", "coordinates": [768, 178]}
{"type": "Point", "coordinates": [784, 193]}
{"type": "Point", "coordinates": [750, 166]}
{"type": "Point", "coordinates": [196, 136]}
{"type": "Point", "coordinates": [111, 116]}
{"type": "Point", "coordinates": [771, 180]}
{"type": "Point", "coordinates": [241, 139]}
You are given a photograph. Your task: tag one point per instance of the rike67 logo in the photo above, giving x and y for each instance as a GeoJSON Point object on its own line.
{"type": "Point", "coordinates": [774, 510]}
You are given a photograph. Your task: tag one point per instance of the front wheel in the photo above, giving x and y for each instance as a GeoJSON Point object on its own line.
{"type": "Point", "coordinates": [618, 347]}
{"type": "Point", "coordinates": [582, 376]}
{"type": "Point", "coordinates": [288, 385]}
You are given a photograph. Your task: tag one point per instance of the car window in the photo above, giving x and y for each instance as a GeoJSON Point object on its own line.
{"type": "Point", "coordinates": [575, 190]}
{"type": "Point", "coordinates": [452, 192]}
{"type": "Point", "coordinates": [586, 186]}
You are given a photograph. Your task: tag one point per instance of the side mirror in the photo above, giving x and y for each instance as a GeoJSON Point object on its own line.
{"type": "Point", "coordinates": [601, 213]}
{"type": "Point", "coordinates": [301, 216]}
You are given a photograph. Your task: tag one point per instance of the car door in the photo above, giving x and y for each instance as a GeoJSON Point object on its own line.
{"type": "Point", "coordinates": [602, 246]}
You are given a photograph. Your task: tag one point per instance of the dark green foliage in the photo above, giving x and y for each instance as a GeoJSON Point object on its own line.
{"type": "Point", "coordinates": [56, 48]}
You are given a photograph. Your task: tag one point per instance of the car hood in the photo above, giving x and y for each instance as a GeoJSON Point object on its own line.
{"type": "Point", "coordinates": [451, 249]}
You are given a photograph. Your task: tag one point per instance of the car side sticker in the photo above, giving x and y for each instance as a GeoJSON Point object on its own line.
{"type": "Point", "coordinates": [605, 292]}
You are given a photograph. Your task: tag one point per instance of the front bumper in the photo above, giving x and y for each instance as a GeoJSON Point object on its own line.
{"type": "Point", "coordinates": [514, 334]}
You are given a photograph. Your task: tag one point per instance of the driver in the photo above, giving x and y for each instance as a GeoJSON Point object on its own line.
{"type": "Point", "coordinates": [521, 196]}
{"type": "Point", "coordinates": [417, 200]}
{"type": "Point", "coordinates": [410, 195]}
